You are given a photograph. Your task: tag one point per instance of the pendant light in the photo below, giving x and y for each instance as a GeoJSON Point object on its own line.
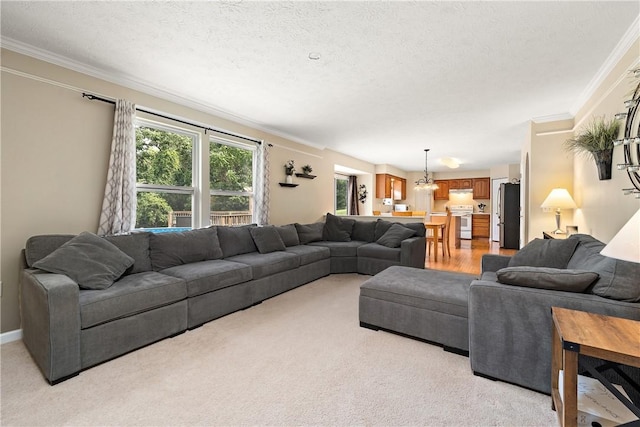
{"type": "Point", "coordinates": [426, 183]}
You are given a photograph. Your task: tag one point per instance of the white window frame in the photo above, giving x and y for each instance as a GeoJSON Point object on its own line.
{"type": "Point", "coordinates": [250, 194]}
{"type": "Point", "coordinates": [196, 169]}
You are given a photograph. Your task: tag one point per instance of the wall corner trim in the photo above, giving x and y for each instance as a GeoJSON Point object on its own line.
{"type": "Point", "coordinates": [10, 336]}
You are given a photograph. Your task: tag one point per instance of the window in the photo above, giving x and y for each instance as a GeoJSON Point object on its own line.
{"type": "Point", "coordinates": [231, 172]}
{"type": "Point", "coordinates": [341, 184]}
{"type": "Point", "coordinates": [165, 171]}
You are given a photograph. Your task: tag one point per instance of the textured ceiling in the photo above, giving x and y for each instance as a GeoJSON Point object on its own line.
{"type": "Point", "coordinates": [393, 78]}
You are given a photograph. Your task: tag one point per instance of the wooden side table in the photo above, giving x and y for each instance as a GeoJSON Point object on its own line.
{"type": "Point", "coordinates": [578, 332]}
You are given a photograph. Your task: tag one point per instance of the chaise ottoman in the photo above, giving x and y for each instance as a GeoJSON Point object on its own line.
{"type": "Point", "coordinates": [430, 305]}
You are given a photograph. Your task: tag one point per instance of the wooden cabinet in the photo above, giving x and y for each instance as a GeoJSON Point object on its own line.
{"type": "Point", "coordinates": [465, 184]}
{"type": "Point", "coordinates": [481, 188]}
{"type": "Point", "coordinates": [442, 193]}
{"type": "Point", "coordinates": [480, 225]}
{"type": "Point", "coordinates": [390, 186]}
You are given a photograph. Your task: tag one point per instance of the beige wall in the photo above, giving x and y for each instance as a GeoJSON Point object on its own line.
{"type": "Point", "coordinates": [602, 208]}
{"type": "Point", "coordinates": [55, 152]}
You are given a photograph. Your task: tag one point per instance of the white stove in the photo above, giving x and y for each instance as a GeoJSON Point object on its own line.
{"type": "Point", "coordinates": [464, 212]}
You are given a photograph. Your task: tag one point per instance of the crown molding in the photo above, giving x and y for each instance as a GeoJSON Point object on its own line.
{"type": "Point", "coordinates": [144, 87]}
{"type": "Point", "coordinates": [627, 40]}
{"type": "Point", "coordinates": [552, 118]}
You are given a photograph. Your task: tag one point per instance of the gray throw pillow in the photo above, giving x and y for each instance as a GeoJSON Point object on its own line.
{"type": "Point", "coordinates": [308, 233]}
{"type": "Point", "coordinates": [236, 240]}
{"type": "Point", "coordinates": [172, 249]}
{"type": "Point", "coordinates": [381, 227]}
{"type": "Point", "coordinates": [557, 279]}
{"type": "Point", "coordinates": [267, 239]}
{"type": "Point", "coordinates": [90, 261]}
{"type": "Point", "coordinates": [337, 229]}
{"type": "Point", "coordinates": [395, 235]}
{"type": "Point", "coordinates": [544, 253]}
{"type": "Point", "coordinates": [288, 234]}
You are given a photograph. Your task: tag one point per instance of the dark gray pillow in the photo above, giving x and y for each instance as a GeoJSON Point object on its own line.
{"type": "Point", "coordinates": [308, 233]}
{"type": "Point", "coordinates": [364, 231]}
{"type": "Point", "coordinates": [544, 253]}
{"type": "Point", "coordinates": [288, 234]}
{"type": "Point", "coordinates": [557, 279]}
{"type": "Point", "coordinates": [395, 235]}
{"type": "Point", "coordinates": [136, 245]}
{"type": "Point", "coordinates": [418, 227]}
{"type": "Point", "coordinates": [236, 240]}
{"type": "Point", "coordinates": [337, 229]}
{"type": "Point", "coordinates": [381, 227]}
{"type": "Point", "coordinates": [172, 249]}
{"type": "Point", "coordinates": [267, 239]}
{"type": "Point", "coordinates": [38, 247]}
{"type": "Point", "coordinates": [90, 261]}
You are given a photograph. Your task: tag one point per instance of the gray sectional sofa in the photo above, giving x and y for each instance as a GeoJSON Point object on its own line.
{"type": "Point", "coordinates": [87, 299]}
{"type": "Point", "coordinates": [503, 318]}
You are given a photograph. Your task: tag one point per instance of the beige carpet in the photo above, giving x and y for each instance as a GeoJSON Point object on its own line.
{"type": "Point", "coordinates": [297, 359]}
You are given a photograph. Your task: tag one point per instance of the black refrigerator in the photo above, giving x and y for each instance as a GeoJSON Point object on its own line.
{"type": "Point", "coordinates": [509, 219]}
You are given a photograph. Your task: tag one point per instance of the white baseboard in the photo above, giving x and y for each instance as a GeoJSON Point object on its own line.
{"type": "Point", "coordinates": [10, 336]}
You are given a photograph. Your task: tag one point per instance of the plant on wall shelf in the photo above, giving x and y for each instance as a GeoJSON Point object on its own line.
{"type": "Point", "coordinates": [306, 169]}
{"type": "Point", "coordinates": [596, 139]}
{"type": "Point", "coordinates": [289, 167]}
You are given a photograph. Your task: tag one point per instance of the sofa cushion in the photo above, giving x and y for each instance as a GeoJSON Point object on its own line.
{"type": "Point", "coordinates": [263, 265]}
{"type": "Point", "coordinates": [309, 254]}
{"type": "Point", "coordinates": [267, 239]}
{"type": "Point", "coordinates": [308, 233]}
{"type": "Point", "coordinates": [236, 240]}
{"type": "Point", "coordinates": [136, 245]}
{"type": "Point", "coordinates": [130, 295]}
{"type": "Point", "coordinates": [208, 276]}
{"type": "Point", "coordinates": [364, 231]}
{"type": "Point", "coordinates": [618, 279]}
{"type": "Point", "coordinates": [171, 249]}
{"type": "Point", "coordinates": [288, 234]}
{"type": "Point", "coordinates": [337, 229]}
{"type": "Point", "coordinates": [418, 227]}
{"type": "Point", "coordinates": [544, 253]}
{"type": "Point", "coordinates": [38, 247]}
{"type": "Point", "coordinates": [374, 250]}
{"type": "Point", "coordinates": [382, 226]}
{"type": "Point", "coordinates": [394, 236]}
{"type": "Point", "coordinates": [558, 279]}
{"type": "Point", "coordinates": [90, 261]}
{"type": "Point", "coordinates": [341, 249]}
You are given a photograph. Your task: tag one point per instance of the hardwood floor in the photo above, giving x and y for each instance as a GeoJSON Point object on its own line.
{"type": "Point", "coordinates": [467, 259]}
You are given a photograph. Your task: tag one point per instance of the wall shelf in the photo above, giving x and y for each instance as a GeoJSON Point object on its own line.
{"type": "Point", "coordinates": [286, 184]}
{"type": "Point", "coordinates": [304, 175]}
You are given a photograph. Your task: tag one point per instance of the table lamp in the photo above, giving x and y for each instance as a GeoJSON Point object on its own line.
{"type": "Point", "coordinates": [626, 244]}
{"type": "Point", "coordinates": [559, 198]}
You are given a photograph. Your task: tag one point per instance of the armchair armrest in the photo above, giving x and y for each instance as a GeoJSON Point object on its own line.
{"type": "Point", "coordinates": [50, 310]}
{"type": "Point", "coordinates": [412, 252]}
{"type": "Point", "coordinates": [493, 262]}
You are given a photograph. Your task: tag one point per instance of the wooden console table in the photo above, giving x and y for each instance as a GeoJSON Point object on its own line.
{"type": "Point", "coordinates": [604, 337]}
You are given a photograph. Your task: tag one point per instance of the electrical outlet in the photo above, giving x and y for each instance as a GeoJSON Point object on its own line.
{"type": "Point", "coordinates": [547, 210]}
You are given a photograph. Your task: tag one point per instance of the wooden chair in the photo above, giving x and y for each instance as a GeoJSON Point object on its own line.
{"type": "Point", "coordinates": [394, 213]}
{"type": "Point", "coordinates": [443, 236]}
{"type": "Point", "coordinates": [419, 213]}
{"type": "Point", "coordinates": [376, 213]}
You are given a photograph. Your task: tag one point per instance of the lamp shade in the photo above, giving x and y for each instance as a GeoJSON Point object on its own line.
{"type": "Point", "coordinates": [626, 244]}
{"type": "Point", "coordinates": [559, 198]}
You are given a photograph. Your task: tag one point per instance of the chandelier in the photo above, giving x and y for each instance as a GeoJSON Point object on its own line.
{"type": "Point", "coordinates": [426, 183]}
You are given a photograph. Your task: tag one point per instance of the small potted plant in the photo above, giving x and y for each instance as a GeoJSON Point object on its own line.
{"type": "Point", "coordinates": [289, 169]}
{"type": "Point", "coordinates": [306, 169]}
{"type": "Point", "coordinates": [596, 139]}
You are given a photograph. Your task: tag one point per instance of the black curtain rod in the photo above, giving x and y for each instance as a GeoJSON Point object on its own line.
{"type": "Point", "coordinates": [109, 101]}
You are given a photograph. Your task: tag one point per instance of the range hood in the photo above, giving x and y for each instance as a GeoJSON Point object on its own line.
{"type": "Point", "coordinates": [461, 190]}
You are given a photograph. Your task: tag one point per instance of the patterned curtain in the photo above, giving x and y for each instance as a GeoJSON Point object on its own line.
{"type": "Point", "coordinates": [352, 196]}
{"type": "Point", "coordinates": [261, 204]}
{"type": "Point", "coordinates": [118, 214]}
